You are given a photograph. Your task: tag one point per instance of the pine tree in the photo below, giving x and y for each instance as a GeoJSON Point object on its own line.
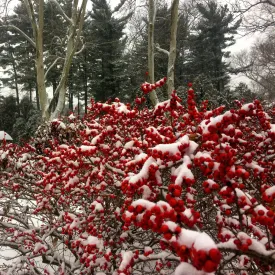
{"type": "Point", "coordinates": [27, 123]}
{"type": "Point", "coordinates": [107, 33]}
{"type": "Point", "coordinates": [17, 55]}
{"type": "Point", "coordinates": [8, 113]}
{"type": "Point", "coordinates": [213, 35]}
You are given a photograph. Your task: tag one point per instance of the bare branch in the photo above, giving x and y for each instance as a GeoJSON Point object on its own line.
{"type": "Point", "coordinates": [81, 50]}
{"type": "Point", "coordinates": [269, 3]}
{"type": "Point", "coordinates": [62, 11]}
{"type": "Point", "coordinates": [161, 50]}
{"type": "Point", "coordinates": [51, 66]}
{"type": "Point", "coordinates": [12, 27]}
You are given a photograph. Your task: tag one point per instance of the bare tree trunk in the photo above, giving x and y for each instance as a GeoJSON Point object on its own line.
{"type": "Point", "coordinates": [75, 23]}
{"type": "Point", "coordinates": [73, 42]}
{"type": "Point", "coordinates": [40, 71]}
{"type": "Point", "coordinates": [37, 28]}
{"type": "Point", "coordinates": [173, 48]}
{"type": "Point", "coordinates": [75, 28]}
{"type": "Point", "coordinates": [151, 63]}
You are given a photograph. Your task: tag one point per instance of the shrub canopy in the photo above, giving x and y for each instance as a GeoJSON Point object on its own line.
{"type": "Point", "coordinates": [129, 190]}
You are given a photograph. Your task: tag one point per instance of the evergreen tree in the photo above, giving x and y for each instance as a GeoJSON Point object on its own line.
{"type": "Point", "coordinates": [8, 113]}
{"type": "Point", "coordinates": [107, 33]}
{"type": "Point", "coordinates": [244, 93]}
{"type": "Point", "coordinates": [213, 35]}
{"type": "Point", "coordinates": [21, 121]}
{"type": "Point", "coordinates": [17, 55]}
{"type": "Point", "coordinates": [27, 123]}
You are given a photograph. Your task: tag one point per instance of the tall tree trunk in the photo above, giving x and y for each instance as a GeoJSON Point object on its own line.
{"type": "Point", "coordinates": [75, 23]}
{"type": "Point", "coordinates": [72, 44]}
{"type": "Point", "coordinates": [151, 62]}
{"type": "Point", "coordinates": [38, 28]}
{"type": "Point", "coordinates": [173, 48]}
{"type": "Point", "coordinates": [43, 98]}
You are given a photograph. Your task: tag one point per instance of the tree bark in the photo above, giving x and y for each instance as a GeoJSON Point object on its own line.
{"type": "Point", "coordinates": [173, 48]}
{"type": "Point", "coordinates": [76, 21]}
{"type": "Point", "coordinates": [43, 98]}
{"type": "Point", "coordinates": [151, 63]}
{"type": "Point", "coordinates": [73, 42]}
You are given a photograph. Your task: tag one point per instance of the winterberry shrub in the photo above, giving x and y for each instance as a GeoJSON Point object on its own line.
{"type": "Point", "coordinates": [179, 189]}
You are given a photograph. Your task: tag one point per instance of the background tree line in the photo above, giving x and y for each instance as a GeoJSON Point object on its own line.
{"type": "Point", "coordinates": [111, 59]}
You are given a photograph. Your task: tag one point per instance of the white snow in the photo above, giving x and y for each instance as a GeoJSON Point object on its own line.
{"type": "Point", "coordinates": [127, 256]}
{"type": "Point", "coordinates": [187, 269]}
{"type": "Point", "coordinates": [146, 204]}
{"type": "Point", "coordinates": [86, 148]}
{"type": "Point", "coordinates": [270, 191]}
{"type": "Point", "coordinates": [247, 107]}
{"type": "Point", "coordinates": [213, 121]}
{"type": "Point", "coordinates": [183, 171]}
{"type": "Point", "coordinates": [272, 128]}
{"type": "Point", "coordinates": [38, 247]}
{"type": "Point", "coordinates": [144, 172]}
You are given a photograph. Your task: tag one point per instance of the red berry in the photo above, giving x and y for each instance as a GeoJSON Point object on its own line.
{"type": "Point", "coordinates": [164, 228]}
{"type": "Point", "coordinates": [215, 255]}
{"type": "Point", "coordinates": [173, 202]}
{"type": "Point", "coordinates": [131, 208]}
{"type": "Point", "coordinates": [209, 266]}
{"type": "Point", "coordinates": [177, 193]}
{"type": "Point", "coordinates": [167, 236]}
{"type": "Point", "coordinates": [261, 212]}
{"type": "Point", "coordinates": [139, 209]}
{"type": "Point", "coordinates": [201, 255]}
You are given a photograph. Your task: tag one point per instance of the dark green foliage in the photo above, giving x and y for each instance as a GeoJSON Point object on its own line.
{"type": "Point", "coordinates": [8, 113]}
{"type": "Point", "coordinates": [27, 123]}
{"type": "Point", "coordinates": [54, 30]}
{"type": "Point", "coordinates": [244, 93]}
{"type": "Point", "coordinates": [213, 34]}
{"type": "Point", "coordinates": [17, 55]}
{"type": "Point", "coordinates": [21, 123]}
{"type": "Point", "coordinates": [106, 52]}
